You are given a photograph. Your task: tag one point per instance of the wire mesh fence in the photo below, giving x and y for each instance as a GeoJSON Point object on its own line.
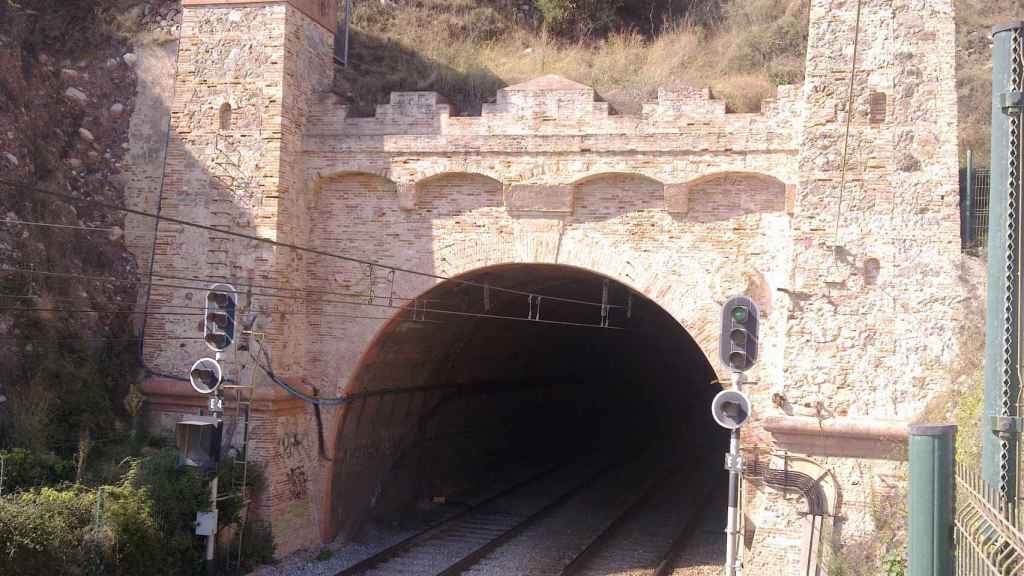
{"type": "Point", "coordinates": [988, 531]}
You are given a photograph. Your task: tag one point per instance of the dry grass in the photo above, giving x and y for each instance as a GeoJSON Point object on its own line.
{"type": "Point", "coordinates": [467, 50]}
{"type": "Point", "coordinates": [975, 19]}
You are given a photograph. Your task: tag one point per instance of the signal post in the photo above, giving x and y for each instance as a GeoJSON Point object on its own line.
{"type": "Point", "coordinates": [206, 377]}
{"type": "Point", "coordinates": [731, 408]}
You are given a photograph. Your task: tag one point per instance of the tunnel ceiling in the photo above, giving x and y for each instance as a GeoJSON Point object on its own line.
{"type": "Point", "coordinates": [451, 345]}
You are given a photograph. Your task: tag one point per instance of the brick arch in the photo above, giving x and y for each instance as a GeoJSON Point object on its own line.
{"type": "Point", "coordinates": [403, 354]}
{"type": "Point", "coordinates": [466, 189]}
{"type": "Point", "coordinates": [731, 194]}
{"type": "Point", "coordinates": [453, 167]}
{"type": "Point", "coordinates": [591, 177]}
{"type": "Point", "coordinates": [615, 195]}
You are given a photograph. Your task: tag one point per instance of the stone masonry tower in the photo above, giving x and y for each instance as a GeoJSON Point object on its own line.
{"type": "Point", "coordinates": [247, 71]}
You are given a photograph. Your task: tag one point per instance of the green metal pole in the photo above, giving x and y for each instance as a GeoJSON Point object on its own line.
{"type": "Point", "coordinates": [930, 501]}
{"type": "Point", "coordinates": [1002, 378]}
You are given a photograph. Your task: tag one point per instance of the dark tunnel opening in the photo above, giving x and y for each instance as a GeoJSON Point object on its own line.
{"type": "Point", "coordinates": [485, 400]}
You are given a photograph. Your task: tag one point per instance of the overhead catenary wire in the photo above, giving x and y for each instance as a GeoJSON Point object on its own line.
{"type": "Point", "coordinates": [291, 246]}
{"type": "Point", "coordinates": [413, 310]}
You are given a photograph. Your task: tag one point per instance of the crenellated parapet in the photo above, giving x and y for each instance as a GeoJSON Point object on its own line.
{"type": "Point", "coordinates": [550, 108]}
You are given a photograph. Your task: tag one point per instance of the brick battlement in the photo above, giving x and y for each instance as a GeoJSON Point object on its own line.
{"type": "Point", "coordinates": [553, 107]}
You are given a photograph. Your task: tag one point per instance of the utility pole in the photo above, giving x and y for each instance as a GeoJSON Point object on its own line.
{"type": "Point", "coordinates": [1001, 424]}
{"type": "Point", "coordinates": [737, 350]}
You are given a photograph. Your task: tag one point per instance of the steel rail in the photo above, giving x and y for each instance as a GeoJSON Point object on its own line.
{"type": "Point", "coordinates": [411, 543]}
{"type": "Point", "coordinates": [652, 489]}
{"type": "Point", "coordinates": [403, 545]}
{"type": "Point", "coordinates": [468, 561]}
{"type": "Point", "coordinates": [668, 561]}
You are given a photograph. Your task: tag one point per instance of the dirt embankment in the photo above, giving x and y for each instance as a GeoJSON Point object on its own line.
{"type": "Point", "coordinates": [67, 87]}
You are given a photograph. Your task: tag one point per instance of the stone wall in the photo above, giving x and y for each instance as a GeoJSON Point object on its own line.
{"type": "Point", "coordinates": [840, 221]}
{"type": "Point", "coordinates": [246, 75]}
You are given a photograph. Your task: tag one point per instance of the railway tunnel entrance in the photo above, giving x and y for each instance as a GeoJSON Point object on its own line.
{"type": "Point", "coordinates": [472, 387]}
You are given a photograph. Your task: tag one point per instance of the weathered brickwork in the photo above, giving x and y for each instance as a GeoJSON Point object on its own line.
{"type": "Point", "coordinates": [844, 252]}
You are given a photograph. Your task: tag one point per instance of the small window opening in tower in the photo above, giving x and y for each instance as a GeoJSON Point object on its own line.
{"type": "Point", "coordinates": [872, 267]}
{"type": "Point", "coordinates": [225, 116]}
{"type": "Point", "coordinates": [876, 107]}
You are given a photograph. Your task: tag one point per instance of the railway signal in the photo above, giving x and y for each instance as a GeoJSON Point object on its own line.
{"type": "Point", "coordinates": [737, 347]}
{"type": "Point", "coordinates": [219, 326]}
{"type": "Point", "coordinates": [731, 408]}
{"type": "Point", "coordinates": [206, 375]}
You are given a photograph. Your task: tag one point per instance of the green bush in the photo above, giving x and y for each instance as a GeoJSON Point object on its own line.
{"type": "Point", "coordinates": [257, 548]}
{"type": "Point", "coordinates": [41, 531]}
{"type": "Point", "coordinates": [141, 525]}
{"type": "Point", "coordinates": [23, 469]}
{"type": "Point", "coordinates": [177, 492]}
{"type": "Point", "coordinates": [579, 18]}
{"type": "Point", "coordinates": [75, 530]}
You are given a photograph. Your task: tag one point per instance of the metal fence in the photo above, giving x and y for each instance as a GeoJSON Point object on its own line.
{"type": "Point", "coordinates": [988, 531]}
{"type": "Point", "coordinates": [974, 193]}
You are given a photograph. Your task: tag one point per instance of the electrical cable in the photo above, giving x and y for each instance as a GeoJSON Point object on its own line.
{"type": "Point", "coordinates": [269, 371]}
{"type": "Point", "coordinates": [159, 207]}
{"type": "Point", "coordinates": [237, 282]}
{"type": "Point", "coordinates": [52, 225]}
{"type": "Point", "coordinates": [95, 311]}
{"type": "Point", "coordinates": [69, 299]}
{"type": "Point", "coordinates": [414, 310]}
{"type": "Point", "coordinates": [315, 251]}
{"type": "Point", "coordinates": [17, 339]}
{"type": "Point", "coordinates": [86, 277]}
{"type": "Point", "coordinates": [849, 119]}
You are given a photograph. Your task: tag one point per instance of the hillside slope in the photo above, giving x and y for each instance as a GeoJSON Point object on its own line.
{"type": "Point", "coordinates": [741, 49]}
{"type": "Point", "coordinates": [66, 89]}
{"type": "Point", "coordinates": [467, 49]}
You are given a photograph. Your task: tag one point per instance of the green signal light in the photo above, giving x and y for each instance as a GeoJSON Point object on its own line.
{"type": "Point", "coordinates": [740, 314]}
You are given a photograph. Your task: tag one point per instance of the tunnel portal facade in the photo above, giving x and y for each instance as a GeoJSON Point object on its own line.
{"type": "Point", "coordinates": [837, 212]}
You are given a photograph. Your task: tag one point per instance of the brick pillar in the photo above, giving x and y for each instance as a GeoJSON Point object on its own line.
{"type": "Point", "coordinates": [876, 266]}
{"type": "Point", "coordinates": [247, 73]}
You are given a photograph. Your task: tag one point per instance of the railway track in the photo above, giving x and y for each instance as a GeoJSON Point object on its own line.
{"type": "Point", "coordinates": [564, 522]}
{"type": "Point", "coordinates": [455, 543]}
{"type": "Point", "coordinates": [647, 539]}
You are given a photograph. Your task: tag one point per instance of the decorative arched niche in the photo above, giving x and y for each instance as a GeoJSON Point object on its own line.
{"type": "Point", "coordinates": [727, 195]}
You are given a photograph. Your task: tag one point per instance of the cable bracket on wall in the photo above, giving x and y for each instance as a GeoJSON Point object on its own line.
{"type": "Point", "coordinates": [533, 301]}
{"type": "Point", "coordinates": [391, 287]}
{"type": "Point", "coordinates": [604, 304]}
{"type": "Point", "coordinates": [371, 279]}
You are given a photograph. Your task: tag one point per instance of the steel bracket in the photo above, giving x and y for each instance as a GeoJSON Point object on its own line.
{"type": "Point", "coordinates": [1005, 425]}
{"type": "Point", "coordinates": [1011, 102]}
